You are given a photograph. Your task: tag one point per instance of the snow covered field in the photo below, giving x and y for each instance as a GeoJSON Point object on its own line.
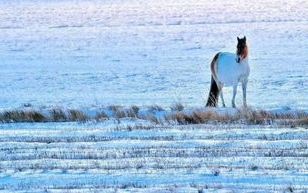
{"type": "Point", "coordinates": [74, 157]}
{"type": "Point", "coordinates": [89, 54]}
{"type": "Point", "coordinates": [77, 53]}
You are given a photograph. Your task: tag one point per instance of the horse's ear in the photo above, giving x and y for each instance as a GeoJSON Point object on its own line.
{"type": "Point", "coordinates": [245, 38]}
{"type": "Point", "coordinates": [238, 39]}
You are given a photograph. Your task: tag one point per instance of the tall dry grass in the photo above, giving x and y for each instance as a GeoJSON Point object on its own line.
{"type": "Point", "coordinates": [120, 112]}
{"type": "Point", "coordinates": [157, 115]}
{"type": "Point", "coordinates": [246, 116]}
{"type": "Point", "coordinates": [22, 116]}
{"type": "Point", "coordinates": [76, 115]}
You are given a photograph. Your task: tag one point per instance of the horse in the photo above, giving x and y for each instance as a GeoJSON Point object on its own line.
{"type": "Point", "coordinates": [229, 69]}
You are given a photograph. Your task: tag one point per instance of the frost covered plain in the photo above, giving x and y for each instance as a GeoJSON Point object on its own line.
{"type": "Point", "coordinates": [76, 60]}
{"type": "Point", "coordinates": [74, 157]}
{"type": "Point", "coordinates": [93, 53]}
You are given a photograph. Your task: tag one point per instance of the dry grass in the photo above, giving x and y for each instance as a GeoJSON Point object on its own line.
{"type": "Point", "coordinates": [153, 118]}
{"type": "Point", "coordinates": [155, 108]}
{"type": "Point", "coordinates": [132, 112]}
{"type": "Point", "coordinates": [58, 115]}
{"type": "Point", "coordinates": [150, 116]}
{"type": "Point", "coordinates": [22, 116]}
{"type": "Point", "coordinates": [199, 117]}
{"type": "Point", "coordinates": [177, 107]}
{"type": "Point", "coordinates": [244, 116]}
{"type": "Point", "coordinates": [135, 110]}
{"type": "Point", "coordinates": [101, 116]}
{"type": "Point", "coordinates": [120, 112]}
{"type": "Point", "coordinates": [247, 116]}
{"type": "Point", "coordinates": [117, 111]}
{"type": "Point", "coordinates": [76, 115]}
{"type": "Point", "coordinates": [113, 108]}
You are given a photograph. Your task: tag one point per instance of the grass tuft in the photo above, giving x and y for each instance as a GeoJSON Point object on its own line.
{"type": "Point", "coordinates": [177, 107]}
{"type": "Point", "coordinates": [76, 115]}
{"type": "Point", "coordinates": [155, 108]}
{"type": "Point", "coordinates": [22, 116]}
{"type": "Point", "coordinates": [58, 115]}
{"type": "Point", "coordinates": [247, 116]}
{"type": "Point", "coordinates": [101, 115]}
{"type": "Point", "coordinates": [114, 108]}
{"type": "Point", "coordinates": [119, 112]}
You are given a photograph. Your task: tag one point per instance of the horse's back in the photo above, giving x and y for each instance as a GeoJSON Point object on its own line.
{"type": "Point", "coordinates": [227, 68]}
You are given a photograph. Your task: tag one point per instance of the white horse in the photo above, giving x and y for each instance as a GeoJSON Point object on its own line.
{"type": "Point", "coordinates": [228, 69]}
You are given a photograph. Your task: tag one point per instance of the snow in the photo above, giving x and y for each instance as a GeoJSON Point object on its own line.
{"type": "Point", "coordinates": [77, 53]}
{"type": "Point", "coordinates": [89, 54]}
{"type": "Point", "coordinates": [176, 158]}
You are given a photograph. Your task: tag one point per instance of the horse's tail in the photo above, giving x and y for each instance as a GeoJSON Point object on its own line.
{"type": "Point", "coordinates": [214, 90]}
{"type": "Point", "coordinates": [213, 94]}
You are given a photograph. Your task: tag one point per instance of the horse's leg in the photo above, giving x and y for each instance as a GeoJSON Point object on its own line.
{"type": "Point", "coordinates": [222, 98]}
{"type": "Point", "coordinates": [244, 87]}
{"type": "Point", "coordinates": [234, 94]}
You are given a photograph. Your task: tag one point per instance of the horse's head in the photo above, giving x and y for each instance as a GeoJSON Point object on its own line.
{"type": "Point", "coordinates": [242, 50]}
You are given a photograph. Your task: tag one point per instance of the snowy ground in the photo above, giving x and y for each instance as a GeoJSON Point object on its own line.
{"type": "Point", "coordinates": [92, 53]}
{"type": "Point", "coordinates": [76, 157]}
{"type": "Point", "coordinates": [88, 54]}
